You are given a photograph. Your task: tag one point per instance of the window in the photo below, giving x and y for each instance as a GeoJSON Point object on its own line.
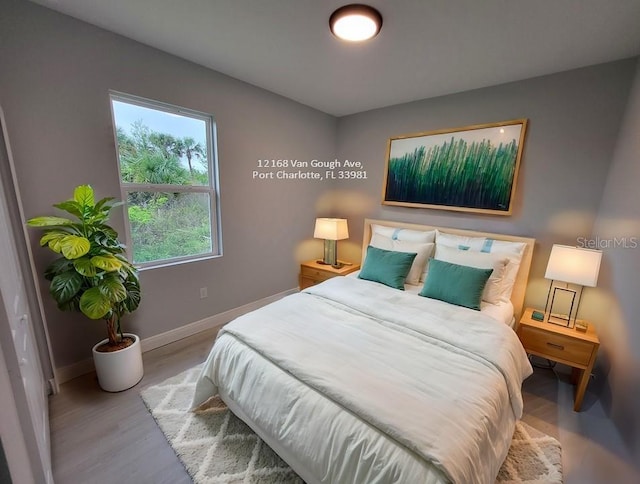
{"type": "Point", "coordinates": [168, 178]}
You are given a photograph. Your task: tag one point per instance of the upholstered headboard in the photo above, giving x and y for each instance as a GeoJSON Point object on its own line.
{"type": "Point", "coordinates": [520, 286]}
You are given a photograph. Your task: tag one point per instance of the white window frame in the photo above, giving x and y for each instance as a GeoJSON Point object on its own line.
{"type": "Point", "coordinates": [212, 189]}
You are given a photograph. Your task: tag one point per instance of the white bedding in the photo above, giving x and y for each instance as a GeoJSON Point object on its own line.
{"type": "Point", "coordinates": [501, 311]}
{"type": "Point", "coordinates": [350, 381]}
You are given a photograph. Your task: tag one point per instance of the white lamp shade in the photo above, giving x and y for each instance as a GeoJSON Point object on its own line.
{"type": "Point", "coordinates": [331, 229]}
{"type": "Point", "coordinates": [574, 265]}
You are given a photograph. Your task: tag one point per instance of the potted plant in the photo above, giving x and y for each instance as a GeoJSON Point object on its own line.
{"type": "Point", "coordinates": [93, 276]}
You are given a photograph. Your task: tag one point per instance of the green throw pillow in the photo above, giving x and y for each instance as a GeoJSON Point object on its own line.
{"type": "Point", "coordinates": [387, 267]}
{"type": "Point", "coordinates": [455, 284]}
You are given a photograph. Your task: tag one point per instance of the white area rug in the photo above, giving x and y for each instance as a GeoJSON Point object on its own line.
{"type": "Point", "coordinates": [217, 447]}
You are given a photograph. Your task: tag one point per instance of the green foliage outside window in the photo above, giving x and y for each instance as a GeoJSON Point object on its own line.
{"type": "Point", "coordinates": [165, 225]}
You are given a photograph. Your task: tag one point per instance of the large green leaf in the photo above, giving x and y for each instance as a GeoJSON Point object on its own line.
{"type": "Point", "coordinates": [107, 230]}
{"type": "Point", "coordinates": [122, 258]}
{"type": "Point", "coordinates": [101, 212]}
{"type": "Point", "coordinates": [85, 267]}
{"type": "Point", "coordinates": [100, 238]}
{"type": "Point", "coordinates": [72, 305]}
{"type": "Point", "coordinates": [56, 245]}
{"type": "Point", "coordinates": [94, 217]}
{"type": "Point", "coordinates": [132, 301]}
{"type": "Point", "coordinates": [113, 288]}
{"type": "Point", "coordinates": [127, 268]}
{"type": "Point", "coordinates": [48, 221]}
{"type": "Point", "coordinates": [116, 205]}
{"type": "Point", "coordinates": [83, 194]}
{"type": "Point", "coordinates": [94, 304]}
{"type": "Point", "coordinates": [106, 262]}
{"type": "Point", "coordinates": [105, 202]}
{"type": "Point", "coordinates": [64, 286]}
{"type": "Point", "coordinates": [58, 266]}
{"type": "Point", "coordinates": [74, 246]}
{"type": "Point", "coordinates": [70, 206]}
{"type": "Point", "coordinates": [52, 235]}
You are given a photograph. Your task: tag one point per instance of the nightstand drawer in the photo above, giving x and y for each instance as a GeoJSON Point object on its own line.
{"type": "Point", "coordinates": [315, 274]}
{"type": "Point", "coordinates": [556, 345]}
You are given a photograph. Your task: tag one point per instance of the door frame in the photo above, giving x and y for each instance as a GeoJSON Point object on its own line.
{"type": "Point", "coordinates": [13, 439]}
{"type": "Point", "coordinates": [27, 264]}
{"type": "Point", "coordinates": [27, 459]}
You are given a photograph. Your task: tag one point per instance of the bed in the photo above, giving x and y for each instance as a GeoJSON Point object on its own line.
{"type": "Point", "coordinates": [354, 381]}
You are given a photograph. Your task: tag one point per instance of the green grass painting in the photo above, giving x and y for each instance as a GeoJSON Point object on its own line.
{"type": "Point", "coordinates": [469, 169]}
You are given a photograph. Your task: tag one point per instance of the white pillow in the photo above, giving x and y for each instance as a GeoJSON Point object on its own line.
{"type": "Point", "coordinates": [496, 288]}
{"type": "Point", "coordinates": [407, 235]}
{"type": "Point", "coordinates": [513, 250]}
{"type": "Point", "coordinates": [423, 249]}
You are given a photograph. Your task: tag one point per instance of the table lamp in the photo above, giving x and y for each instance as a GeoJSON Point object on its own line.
{"type": "Point", "coordinates": [569, 265]}
{"type": "Point", "coordinates": [331, 230]}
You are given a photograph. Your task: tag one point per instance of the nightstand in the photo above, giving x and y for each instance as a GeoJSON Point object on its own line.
{"type": "Point", "coordinates": [568, 346]}
{"type": "Point", "coordinates": [312, 273]}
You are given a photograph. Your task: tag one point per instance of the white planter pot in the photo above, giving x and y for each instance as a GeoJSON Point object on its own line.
{"type": "Point", "coordinates": [120, 369]}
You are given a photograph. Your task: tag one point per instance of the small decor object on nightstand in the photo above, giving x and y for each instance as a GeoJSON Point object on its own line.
{"type": "Point", "coordinates": [564, 345]}
{"type": "Point", "coordinates": [331, 230]}
{"type": "Point", "coordinates": [582, 325]}
{"type": "Point", "coordinates": [570, 265]}
{"type": "Point", "coordinates": [537, 315]}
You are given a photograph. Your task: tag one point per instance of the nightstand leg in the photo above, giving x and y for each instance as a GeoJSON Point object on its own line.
{"type": "Point", "coordinates": [580, 389]}
{"type": "Point", "coordinates": [576, 373]}
{"type": "Point", "coordinates": [583, 381]}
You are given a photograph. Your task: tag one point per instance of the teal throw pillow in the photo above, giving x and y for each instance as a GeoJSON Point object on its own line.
{"type": "Point", "coordinates": [387, 267]}
{"type": "Point", "coordinates": [455, 284]}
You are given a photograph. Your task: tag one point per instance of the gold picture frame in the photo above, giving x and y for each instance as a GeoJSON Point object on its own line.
{"type": "Point", "coordinates": [469, 169]}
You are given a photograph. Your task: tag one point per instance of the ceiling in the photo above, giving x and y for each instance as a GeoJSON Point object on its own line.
{"type": "Point", "coordinates": [426, 48]}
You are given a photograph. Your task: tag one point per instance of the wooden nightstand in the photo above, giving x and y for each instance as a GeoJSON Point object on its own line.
{"type": "Point", "coordinates": [565, 345]}
{"type": "Point", "coordinates": [312, 273]}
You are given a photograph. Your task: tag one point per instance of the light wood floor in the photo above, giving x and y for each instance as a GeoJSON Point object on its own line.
{"type": "Point", "coordinates": [105, 438]}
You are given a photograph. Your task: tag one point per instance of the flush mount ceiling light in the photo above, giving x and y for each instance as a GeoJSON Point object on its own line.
{"type": "Point", "coordinates": [355, 22]}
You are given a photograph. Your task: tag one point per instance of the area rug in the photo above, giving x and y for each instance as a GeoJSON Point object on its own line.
{"type": "Point", "coordinates": [217, 447]}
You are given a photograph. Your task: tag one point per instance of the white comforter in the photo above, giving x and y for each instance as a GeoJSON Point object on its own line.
{"type": "Point", "coordinates": [354, 382]}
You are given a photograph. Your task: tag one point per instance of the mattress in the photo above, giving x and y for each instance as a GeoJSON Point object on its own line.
{"type": "Point", "coordinates": [350, 381]}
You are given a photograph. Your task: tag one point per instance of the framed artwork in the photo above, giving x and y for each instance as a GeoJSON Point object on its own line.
{"type": "Point", "coordinates": [470, 169]}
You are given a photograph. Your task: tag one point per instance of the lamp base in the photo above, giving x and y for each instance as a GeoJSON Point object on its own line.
{"type": "Point", "coordinates": [337, 265]}
{"type": "Point", "coordinates": [559, 319]}
{"type": "Point", "coordinates": [330, 253]}
{"type": "Point", "coordinates": [565, 302]}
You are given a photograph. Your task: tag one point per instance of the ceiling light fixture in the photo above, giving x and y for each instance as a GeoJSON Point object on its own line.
{"type": "Point", "coordinates": [355, 22]}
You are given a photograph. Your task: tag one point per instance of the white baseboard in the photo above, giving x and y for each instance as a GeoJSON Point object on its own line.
{"type": "Point", "coordinates": [83, 367]}
{"type": "Point", "coordinates": [69, 372]}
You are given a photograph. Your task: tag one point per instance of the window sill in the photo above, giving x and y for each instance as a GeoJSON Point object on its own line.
{"type": "Point", "coordinates": [171, 263]}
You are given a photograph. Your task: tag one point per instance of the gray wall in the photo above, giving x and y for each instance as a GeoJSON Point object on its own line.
{"type": "Point", "coordinates": [574, 119]}
{"type": "Point", "coordinates": [618, 229]}
{"type": "Point", "coordinates": [54, 82]}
